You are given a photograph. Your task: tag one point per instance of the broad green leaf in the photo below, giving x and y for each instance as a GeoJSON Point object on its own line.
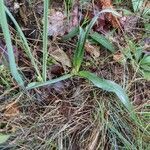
{"type": "Point", "coordinates": [108, 86]}
{"type": "Point", "coordinates": [7, 36]}
{"type": "Point", "coordinates": [145, 60]}
{"type": "Point", "coordinates": [137, 4]}
{"type": "Point", "coordinates": [3, 138]}
{"type": "Point", "coordinates": [40, 84]}
{"type": "Point", "coordinates": [103, 41]}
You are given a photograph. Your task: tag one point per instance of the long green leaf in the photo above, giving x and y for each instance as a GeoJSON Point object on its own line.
{"type": "Point", "coordinates": [108, 86]}
{"type": "Point", "coordinates": [3, 138]}
{"type": "Point", "coordinates": [34, 85]}
{"type": "Point", "coordinates": [79, 52]}
{"type": "Point", "coordinates": [11, 57]}
{"type": "Point", "coordinates": [45, 39]}
{"type": "Point", "coordinates": [24, 41]}
{"type": "Point", "coordinates": [103, 41]}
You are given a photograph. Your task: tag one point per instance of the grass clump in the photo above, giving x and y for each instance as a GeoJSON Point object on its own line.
{"type": "Point", "coordinates": [65, 111]}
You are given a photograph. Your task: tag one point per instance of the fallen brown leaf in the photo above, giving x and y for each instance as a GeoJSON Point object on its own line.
{"type": "Point", "coordinates": [60, 56]}
{"type": "Point", "coordinates": [12, 110]}
{"type": "Point", "coordinates": [92, 49]}
{"type": "Point", "coordinates": [57, 25]}
{"type": "Point", "coordinates": [111, 18]}
{"type": "Point", "coordinates": [118, 57]}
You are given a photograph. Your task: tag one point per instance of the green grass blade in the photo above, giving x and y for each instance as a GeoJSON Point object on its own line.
{"type": "Point", "coordinates": [11, 57]}
{"type": "Point", "coordinates": [45, 39]}
{"type": "Point", "coordinates": [79, 52]}
{"type": "Point", "coordinates": [24, 41]}
{"type": "Point", "coordinates": [103, 41]}
{"type": "Point", "coordinates": [38, 84]}
{"type": "Point", "coordinates": [109, 86]}
{"type": "Point", "coordinates": [121, 137]}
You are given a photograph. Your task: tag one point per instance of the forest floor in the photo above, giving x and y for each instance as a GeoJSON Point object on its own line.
{"type": "Point", "coordinates": [73, 114]}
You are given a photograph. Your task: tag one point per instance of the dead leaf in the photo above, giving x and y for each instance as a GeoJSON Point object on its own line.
{"type": "Point", "coordinates": [60, 56]}
{"type": "Point", "coordinates": [118, 57]}
{"type": "Point", "coordinates": [92, 49]}
{"type": "Point", "coordinates": [111, 18]}
{"type": "Point", "coordinates": [11, 110]}
{"type": "Point", "coordinates": [57, 25]}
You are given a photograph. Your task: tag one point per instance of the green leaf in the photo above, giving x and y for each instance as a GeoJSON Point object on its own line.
{"type": "Point", "coordinates": [34, 85]}
{"type": "Point", "coordinates": [103, 41]}
{"type": "Point", "coordinates": [3, 138]}
{"type": "Point", "coordinates": [7, 36]}
{"type": "Point", "coordinates": [146, 75]}
{"type": "Point", "coordinates": [145, 67]}
{"type": "Point", "coordinates": [109, 86]}
{"type": "Point", "coordinates": [145, 60]}
{"type": "Point", "coordinates": [24, 41]}
{"type": "Point", "coordinates": [137, 4]}
{"type": "Point", "coordinates": [79, 52]}
{"type": "Point", "coordinates": [138, 53]}
{"type": "Point", "coordinates": [71, 34]}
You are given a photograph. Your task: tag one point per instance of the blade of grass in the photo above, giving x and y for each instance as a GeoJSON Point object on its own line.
{"type": "Point", "coordinates": [109, 86]}
{"type": "Point", "coordinates": [45, 39]}
{"type": "Point", "coordinates": [25, 43]}
{"type": "Point", "coordinates": [125, 141]}
{"type": "Point", "coordinates": [38, 84]}
{"type": "Point", "coordinates": [11, 57]}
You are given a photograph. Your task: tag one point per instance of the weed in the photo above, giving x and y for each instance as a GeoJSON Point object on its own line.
{"type": "Point", "coordinates": [113, 125]}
